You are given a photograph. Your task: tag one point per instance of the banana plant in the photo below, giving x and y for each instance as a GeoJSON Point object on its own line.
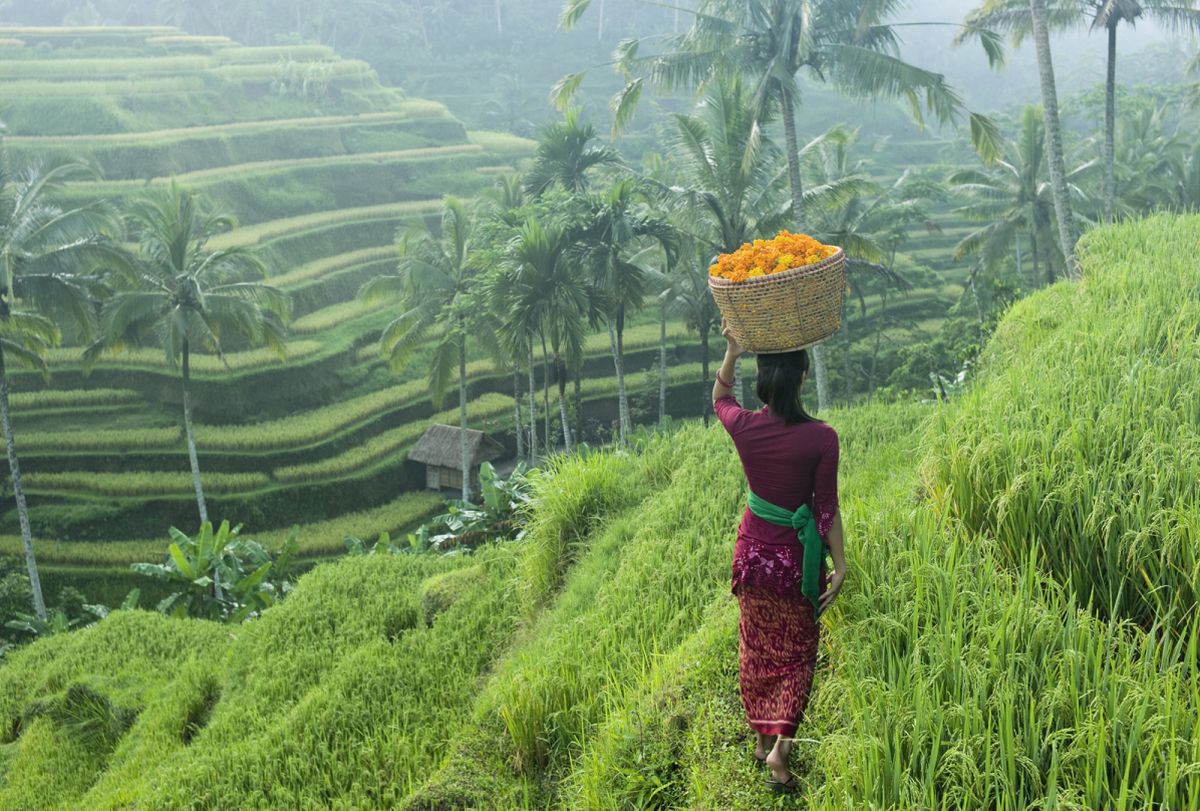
{"type": "Point", "coordinates": [220, 575]}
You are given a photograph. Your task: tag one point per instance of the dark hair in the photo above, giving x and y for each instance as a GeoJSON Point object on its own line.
{"type": "Point", "coordinates": [778, 384]}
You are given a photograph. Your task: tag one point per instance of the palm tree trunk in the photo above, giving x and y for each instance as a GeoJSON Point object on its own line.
{"type": "Point", "coordinates": [35, 582]}
{"type": "Point", "coordinates": [193, 457]}
{"type": "Point", "coordinates": [532, 411]}
{"type": "Point", "coordinates": [612, 339]}
{"type": "Point", "coordinates": [820, 372]}
{"type": "Point", "coordinates": [705, 384]}
{"type": "Point", "coordinates": [546, 393]}
{"type": "Point", "coordinates": [622, 393]}
{"type": "Point", "coordinates": [879, 321]}
{"type": "Point", "coordinates": [847, 386]}
{"type": "Point", "coordinates": [517, 426]}
{"type": "Point", "coordinates": [662, 364]}
{"type": "Point", "coordinates": [1033, 252]}
{"type": "Point", "coordinates": [191, 439]}
{"type": "Point", "coordinates": [463, 445]}
{"type": "Point", "coordinates": [1017, 243]}
{"type": "Point", "coordinates": [499, 25]}
{"type": "Point", "coordinates": [1110, 121]}
{"type": "Point", "coordinates": [578, 403]}
{"type": "Point", "coordinates": [1058, 172]}
{"type": "Point", "coordinates": [561, 371]}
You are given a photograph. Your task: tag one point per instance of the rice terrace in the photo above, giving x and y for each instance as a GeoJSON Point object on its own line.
{"type": "Point", "coordinates": [600, 404]}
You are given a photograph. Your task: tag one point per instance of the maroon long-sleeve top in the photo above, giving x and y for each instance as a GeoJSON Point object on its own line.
{"type": "Point", "coordinates": [788, 465]}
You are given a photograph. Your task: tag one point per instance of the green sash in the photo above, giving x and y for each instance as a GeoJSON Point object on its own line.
{"type": "Point", "coordinates": [806, 530]}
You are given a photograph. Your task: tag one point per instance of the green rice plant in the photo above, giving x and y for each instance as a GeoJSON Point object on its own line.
{"type": "Point", "coordinates": [934, 656]}
{"type": "Point", "coordinates": [200, 363]}
{"type": "Point", "coordinates": [266, 71]}
{"type": "Point", "coordinates": [177, 134]}
{"type": "Point", "coordinates": [53, 552]}
{"type": "Point", "coordinates": [309, 427]}
{"type": "Point", "coordinates": [102, 440]}
{"type": "Point", "coordinates": [335, 315]}
{"type": "Point", "coordinates": [328, 537]}
{"type": "Point", "coordinates": [71, 398]}
{"type": "Point", "coordinates": [142, 483]}
{"type": "Point", "coordinates": [321, 538]}
{"type": "Point", "coordinates": [188, 39]}
{"type": "Point", "coordinates": [391, 444]}
{"type": "Point", "coordinates": [1078, 439]}
{"type": "Point", "coordinates": [242, 55]}
{"type": "Point", "coordinates": [73, 32]}
{"type": "Point", "coordinates": [261, 171]}
{"type": "Point", "coordinates": [332, 264]}
{"type": "Point", "coordinates": [264, 232]}
{"type": "Point", "coordinates": [92, 69]}
{"type": "Point", "coordinates": [79, 88]}
{"type": "Point", "coordinates": [503, 144]}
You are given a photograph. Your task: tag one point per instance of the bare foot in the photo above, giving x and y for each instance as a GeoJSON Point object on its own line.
{"type": "Point", "coordinates": [777, 759]}
{"type": "Point", "coordinates": [765, 743]}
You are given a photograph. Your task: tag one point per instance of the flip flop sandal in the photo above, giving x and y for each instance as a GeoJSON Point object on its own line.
{"type": "Point", "coordinates": [761, 761]}
{"type": "Point", "coordinates": [783, 788]}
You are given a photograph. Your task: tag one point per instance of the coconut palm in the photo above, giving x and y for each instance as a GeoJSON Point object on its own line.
{"type": "Point", "coordinates": [564, 156]}
{"type": "Point", "coordinates": [615, 227]}
{"type": "Point", "coordinates": [687, 294]}
{"type": "Point", "coordinates": [847, 43]}
{"type": "Point", "coordinates": [867, 219]}
{"type": "Point", "coordinates": [1012, 201]}
{"type": "Point", "coordinates": [188, 296]}
{"type": "Point", "coordinates": [546, 298]}
{"type": "Point", "coordinates": [1015, 18]}
{"type": "Point", "coordinates": [49, 258]}
{"type": "Point", "coordinates": [432, 281]}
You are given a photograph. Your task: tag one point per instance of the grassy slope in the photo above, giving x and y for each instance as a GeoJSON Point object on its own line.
{"type": "Point", "coordinates": [594, 665]}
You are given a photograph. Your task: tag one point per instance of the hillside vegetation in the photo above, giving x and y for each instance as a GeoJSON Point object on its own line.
{"type": "Point", "coordinates": [594, 664]}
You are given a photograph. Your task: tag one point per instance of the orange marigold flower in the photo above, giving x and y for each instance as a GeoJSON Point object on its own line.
{"type": "Point", "coordinates": [765, 256]}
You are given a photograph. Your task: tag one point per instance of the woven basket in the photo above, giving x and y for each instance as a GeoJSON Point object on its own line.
{"type": "Point", "coordinates": [783, 312]}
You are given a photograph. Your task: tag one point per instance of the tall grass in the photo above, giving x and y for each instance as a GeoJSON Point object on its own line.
{"type": "Point", "coordinates": [1079, 443]}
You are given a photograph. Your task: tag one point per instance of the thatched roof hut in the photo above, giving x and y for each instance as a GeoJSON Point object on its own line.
{"type": "Point", "coordinates": [439, 450]}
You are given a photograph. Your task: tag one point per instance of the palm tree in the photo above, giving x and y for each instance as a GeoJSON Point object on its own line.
{"type": "Point", "coordinates": [1015, 17]}
{"type": "Point", "coordinates": [546, 299]}
{"type": "Point", "coordinates": [1058, 172]}
{"type": "Point", "coordinates": [49, 256]}
{"type": "Point", "coordinates": [565, 154]}
{"type": "Point", "coordinates": [1012, 200]}
{"type": "Point", "coordinates": [432, 281]}
{"type": "Point", "coordinates": [845, 42]}
{"type": "Point", "coordinates": [188, 295]}
{"type": "Point", "coordinates": [868, 219]}
{"type": "Point", "coordinates": [615, 226]}
{"type": "Point", "coordinates": [728, 188]}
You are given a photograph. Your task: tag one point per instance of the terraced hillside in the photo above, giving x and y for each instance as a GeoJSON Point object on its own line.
{"type": "Point", "coordinates": [971, 661]}
{"type": "Point", "coordinates": [320, 164]}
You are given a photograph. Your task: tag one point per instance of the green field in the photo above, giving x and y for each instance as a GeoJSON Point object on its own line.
{"type": "Point", "coordinates": [972, 661]}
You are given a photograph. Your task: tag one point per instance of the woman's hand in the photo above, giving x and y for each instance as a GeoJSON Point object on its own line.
{"type": "Point", "coordinates": [832, 586]}
{"type": "Point", "coordinates": [732, 348]}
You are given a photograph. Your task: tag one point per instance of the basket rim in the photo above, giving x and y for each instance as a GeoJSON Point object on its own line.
{"type": "Point", "coordinates": [791, 273]}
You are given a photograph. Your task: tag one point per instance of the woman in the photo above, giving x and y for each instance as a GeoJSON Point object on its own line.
{"type": "Point", "coordinates": [790, 460]}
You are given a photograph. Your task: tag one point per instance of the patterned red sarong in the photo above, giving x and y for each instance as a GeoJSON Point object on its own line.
{"type": "Point", "coordinates": [777, 654]}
